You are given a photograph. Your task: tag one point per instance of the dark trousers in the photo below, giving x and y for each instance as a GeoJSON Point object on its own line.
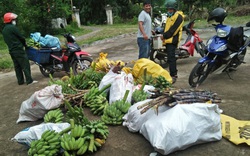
{"type": "Point", "coordinates": [22, 67]}
{"type": "Point", "coordinates": [170, 50]}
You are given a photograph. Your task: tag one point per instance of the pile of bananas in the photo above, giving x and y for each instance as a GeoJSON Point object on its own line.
{"type": "Point", "coordinates": [97, 104]}
{"type": "Point", "coordinates": [113, 113]}
{"type": "Point", "coordinates": [33, 43]}
{"type": "Point", "coordinates": [139, 95]}
{"type": "Point", "coordinates": [48, 145]}
{"type": "Point", "coordinates": [54, 116]}
{"type": "Point", "coordinates": [161, 83]}
{"type": "Point", "coordinates": [84, 139]}
{"type": "Point", "coordinates": [99, 129]}
{"type": "Point", "coordinates": [96, 100]}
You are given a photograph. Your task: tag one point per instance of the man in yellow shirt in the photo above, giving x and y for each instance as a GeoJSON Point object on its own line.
{"type": "Point", "coordinates": [172, 35]}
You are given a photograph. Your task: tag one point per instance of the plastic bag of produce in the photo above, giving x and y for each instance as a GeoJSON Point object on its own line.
{"type": "Point", "coordinates": [107, 79]}
{"type": "Point", "coordinates": [120, 84]}
{"type": "Point", "coordinates": [183, 126]}
{"type": "Point", "coordinates": [40, 103]}
{"type": "Point", "coordinates": [27, 135]}
{"type": "Point", "coordinates": [133, 120]}
{"type": "Point", "coordinates": [152, 69]}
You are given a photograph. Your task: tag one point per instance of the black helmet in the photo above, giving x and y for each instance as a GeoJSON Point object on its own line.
{"type": "Point", "coordinates": [171, 4]}
{"type": "Point", "coordinates": [218, 15]}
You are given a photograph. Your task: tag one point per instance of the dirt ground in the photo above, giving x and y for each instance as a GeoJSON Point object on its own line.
{"type": "Point", "coordinates": [121, 142]}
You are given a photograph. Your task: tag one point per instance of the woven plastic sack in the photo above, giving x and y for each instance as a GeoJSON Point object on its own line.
{"type": "Point", "coordinates": [152, 69]}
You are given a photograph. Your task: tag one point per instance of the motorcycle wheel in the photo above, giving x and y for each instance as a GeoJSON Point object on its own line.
{"type": "Point", "coordinates": [198, 74]}
{"type": "Point", "coordinates": [86, 62]}
{"type": "Point", "coordinates": [46, 71]}
{"type": "Point", "coordinates": [157, 57]}
{"type": "Point", "coordinates": [201, 48]}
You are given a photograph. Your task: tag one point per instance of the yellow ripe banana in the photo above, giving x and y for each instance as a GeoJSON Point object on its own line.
{"type": "Point", "coordinates": [100, 141]}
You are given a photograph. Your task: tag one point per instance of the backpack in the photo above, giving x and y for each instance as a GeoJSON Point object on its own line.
{"type": "Point", "coordinates": [235, 39]}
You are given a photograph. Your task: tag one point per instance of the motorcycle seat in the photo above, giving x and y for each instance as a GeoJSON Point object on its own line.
{"type": "Point", "coordinates": [56, 49]}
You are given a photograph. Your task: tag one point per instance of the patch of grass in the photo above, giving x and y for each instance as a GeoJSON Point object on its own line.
{"type": "Point", "coordinates": [108, 31]}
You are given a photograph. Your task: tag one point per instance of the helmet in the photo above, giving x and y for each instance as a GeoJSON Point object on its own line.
{"type": "Point", "coordinates": [218, 15]}
{"type": "Point", "coordinates": [8, 17]}
{"type": "Point", "coordinates": [171, 4]}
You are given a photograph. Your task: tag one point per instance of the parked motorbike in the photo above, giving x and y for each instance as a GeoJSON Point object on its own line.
{"type": "Point", "coordinates": [225, 52]}
{"type": "Point", "coordinates": [192, 42]}
{"type": "Point", "coordinates": [160, 21]}
{"type": "Point", "coordinates": [62, 59]}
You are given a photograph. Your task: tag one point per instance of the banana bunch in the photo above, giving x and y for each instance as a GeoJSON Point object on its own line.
{"type": "Point", "coordinates": [70, 144]}
{"type": "Point", "coordinates": [76, 113]}
{"type": "Point", "coordinates": [98, 128]}
{"type": "Point", "coordinates": [161, 83]}
{"type": "Point", "coordinates": [93, 93]}
{"type": "Point", "coordinates": [98, 104]}
{"type": "Point", "coordinates": [48, 145]}
{"type": "Point", "coordinates": [113, 113]}
{"type": "Point", "coordinates": [92, 84]}
{"type": "Point", "coordinates": [33, 43]}
{"type": "Point", "coordinates": [54, 116]}
{"type": "Point", "coordinates": [78, 131]}
{"type": "Point", "coordinates": [139, 95]}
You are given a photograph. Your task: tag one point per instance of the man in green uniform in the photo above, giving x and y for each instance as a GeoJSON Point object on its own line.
{"type": "Point", "coordinates": [16, 43]}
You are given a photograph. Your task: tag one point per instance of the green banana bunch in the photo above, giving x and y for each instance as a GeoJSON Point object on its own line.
{"type": "Point", "coordinates": [78, 131]}
{"type": "Point", "coordinates": [54, 116]}
{"type": "Point", "coordinates": [48, 145]}
{"type": "Point", "coordinates": [33, 43]}
{"type": "Point", "coordinates": [76, 113]}
{"type": "Point", "coordinates": [98, 104]}
{"type": "Point", "coordinates": [161, 83]}
{"type": "Point", "coordinates": [98, 128]}
{"type": "Point", "coordinates": [93, 93]}
{"type": "Point", "coordinates": [139, 95]}
{"type": "Point", "coordinates": [113, 113]}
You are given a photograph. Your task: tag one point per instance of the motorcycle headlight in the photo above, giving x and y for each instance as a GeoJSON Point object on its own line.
{"type": "Point", "coordinates": [222, 33]}
{"type": "Point", "coordinates": [222, 48]}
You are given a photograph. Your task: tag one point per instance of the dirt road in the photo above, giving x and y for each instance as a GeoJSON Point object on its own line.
{"type": "Point", "coordinates": [120, 141]}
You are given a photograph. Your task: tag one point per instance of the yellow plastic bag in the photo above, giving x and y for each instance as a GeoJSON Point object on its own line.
{"type": "Point", "coordinates": [152, 69]}
{"type": "Point", "coordinates": [102, 63]}
{"type": "Point", "coordinates": [237, 131]}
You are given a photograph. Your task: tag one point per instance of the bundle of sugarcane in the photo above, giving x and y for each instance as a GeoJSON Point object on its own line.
{"type": "Point", "coordinates": [155, 103]}
{"type": "Point", "coordinates": [172, 97]}
{"type": "Point", "coordinates": [189, 96]}
{"type": "Point", "coordinates": [77, 98]}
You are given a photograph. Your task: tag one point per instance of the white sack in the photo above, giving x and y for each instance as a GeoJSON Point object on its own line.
{"type": "Point", "coordinates": [40, 103]}
{"type": "Point", "coordinates": [29, 134]}
{"type": "Point", "coordinates": [121, 83]}
{"type": "Point", "coordinates": [183, 126]}
{"type": "Point", "coordinates": [107, 79]}
{"type": "Point", "coordinates": [133, 120]}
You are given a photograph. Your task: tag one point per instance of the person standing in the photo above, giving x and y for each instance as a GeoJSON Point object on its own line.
{"type": "Point", "coordinates": [172, 35]}
{"type": "Point", "coordinates": [144, 30]}
{"type": "Point", "coordinates": [16, 43]}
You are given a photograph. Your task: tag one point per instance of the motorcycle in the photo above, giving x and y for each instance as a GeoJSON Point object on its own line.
{"type": "Point", "coordinates": [160, 21]}
{"type": "Point", "coordinates": [224, 54]}
{"type": "Point", "coordinates": [61, 59]}
{"type": "Point", "coordinates": [192, 42]}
